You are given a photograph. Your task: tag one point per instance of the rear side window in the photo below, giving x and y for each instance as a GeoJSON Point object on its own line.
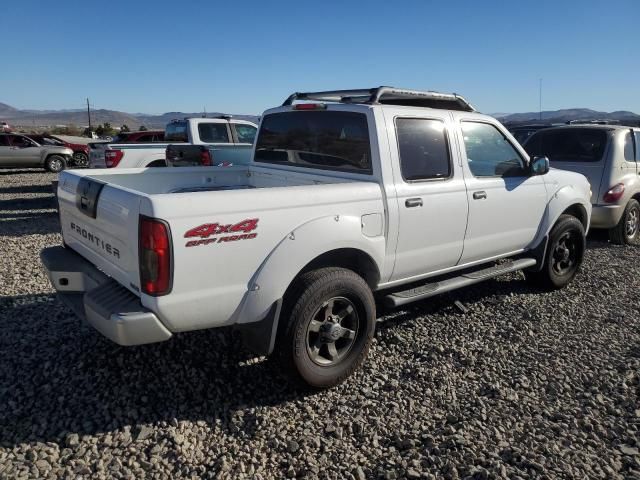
{"type": "Point", "coordinates": [637, 135]}
{"type": "Point", "coordinates": [176, 132]}
{"type": "Point", "coordinates": [423, 148]}
{"type": "Point", "coordinates": [4, 141]}
{"type": "Point", "coordinates": [629, 148]}
{"type": "Point", "coordinates": [568, 144]}
{"type": "Point", "coordinates": [329, 140]}
{"type": "Point", "coordinates": [245, 133]}
{"type": "Point", "coordinates": [213, 132]}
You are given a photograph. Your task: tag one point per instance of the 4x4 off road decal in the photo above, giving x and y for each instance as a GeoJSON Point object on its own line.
{"type": "Point", "coordinates": [208, 232]}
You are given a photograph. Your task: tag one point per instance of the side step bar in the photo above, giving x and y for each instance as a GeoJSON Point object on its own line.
{"type": "Point", "coordinates": [427, 290]}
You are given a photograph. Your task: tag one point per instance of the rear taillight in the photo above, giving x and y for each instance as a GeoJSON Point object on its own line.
{"type": "Point", "coordinates": [614, 193]}
{"type": "Point", "coordinates": [205, 158]}
{"type": "Point", "coordinates": [154, 254]}
{"type": "Point", "coordinates": [112, 157]}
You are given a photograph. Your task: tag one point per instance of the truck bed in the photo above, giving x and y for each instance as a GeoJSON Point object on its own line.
{"type": "Point", "coordinates": [201, 179]}
{"type": "Point", "coordinates": [103, 226]}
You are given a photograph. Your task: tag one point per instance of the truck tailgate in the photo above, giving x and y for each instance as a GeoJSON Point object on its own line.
{"type": "Point", "coordinates": [100, 222]}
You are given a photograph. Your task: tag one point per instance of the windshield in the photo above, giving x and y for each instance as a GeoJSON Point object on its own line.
{"type": "Point", "coordinates": [568, 144]}
{"type": "Point", "coordinates": [316, 139]}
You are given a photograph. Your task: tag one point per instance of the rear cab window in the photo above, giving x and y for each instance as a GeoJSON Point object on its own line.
{"type": "Point", "coordinates": [326, 140]}
{"type": "Point", "coordinates": [569, 144]}
{"type": "Point", "coordinates": [176, 132]}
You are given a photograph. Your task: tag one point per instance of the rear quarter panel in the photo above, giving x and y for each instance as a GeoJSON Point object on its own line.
{"type": "Point", "coordinates": [211, 280]}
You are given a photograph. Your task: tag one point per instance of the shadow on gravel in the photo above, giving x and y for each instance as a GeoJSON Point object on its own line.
{"type": "Point", "coordinates": [37, 203]}
{"type": "Point", "coordinates": [59, 376]}
{"type": "Point", "coordinates": [28, 216]}
{"type": "Point", "coordinates": [20, 224]}
{"type": "Point", "coordinates": [12, 171]}
{"type": "Point", "coordinates": [27, 189]}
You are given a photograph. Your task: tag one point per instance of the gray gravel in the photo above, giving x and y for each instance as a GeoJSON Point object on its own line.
{"type": "Point", "coordinates": [516, 384]}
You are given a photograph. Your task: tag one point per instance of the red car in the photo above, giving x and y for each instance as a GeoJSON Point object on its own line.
{"type": "Point", "coordinates": [80, 150]}
{"type": "Point", "coordinates": [146, 136]}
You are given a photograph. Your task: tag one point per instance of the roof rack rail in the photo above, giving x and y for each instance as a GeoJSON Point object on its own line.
{"type": "Point", "coordinates": [387, 96]}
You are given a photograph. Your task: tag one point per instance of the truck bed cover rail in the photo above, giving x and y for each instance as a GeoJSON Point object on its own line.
{"type": "Point", "coordinates": [387, 96]}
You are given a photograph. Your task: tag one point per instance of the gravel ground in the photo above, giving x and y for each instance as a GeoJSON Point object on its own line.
{"type": "Point", "coordinates": [516, 384]}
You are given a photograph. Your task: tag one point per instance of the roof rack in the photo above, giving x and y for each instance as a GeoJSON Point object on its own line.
{"type": "Point", "coordinates": [387, 96]}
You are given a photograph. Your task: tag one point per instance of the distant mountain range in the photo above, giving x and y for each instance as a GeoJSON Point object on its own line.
{"type": "Point", "coordinates": [50, 118]}
{"type": "Point", "coordinates": [563, 116]}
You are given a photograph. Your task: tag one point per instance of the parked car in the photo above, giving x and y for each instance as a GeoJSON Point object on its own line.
{"type": "Point", "coordinates": [80, 150]}
{"type": "Point", "coordinates": [608, 156]}
{"type": "Point", "coordinates": [19, 151]}
{"type": "Point", "coordinates": [228, 138]}
{"type": "Point", "coordinates": [145, 136]}
{"type": "Point", "coordinates": [221, 142]}
{"type": "Point", "coordinates": [522, 132]}
{"type": "Point", "coordinates": [399, 194]}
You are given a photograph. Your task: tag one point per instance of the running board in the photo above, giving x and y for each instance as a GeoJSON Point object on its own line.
{"type": "Point", "coordinates": [427, 290]}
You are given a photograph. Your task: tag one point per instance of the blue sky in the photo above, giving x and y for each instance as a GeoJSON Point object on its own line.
{"type": "Point", "coordinates": [246, 56]}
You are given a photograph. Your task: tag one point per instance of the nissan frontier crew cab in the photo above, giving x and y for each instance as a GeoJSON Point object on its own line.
{"type": "Point", "coordinates": [351, 196]}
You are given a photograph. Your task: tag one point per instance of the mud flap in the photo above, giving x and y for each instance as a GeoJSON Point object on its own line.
{"type": "Point", "coordinates": [260, 337]}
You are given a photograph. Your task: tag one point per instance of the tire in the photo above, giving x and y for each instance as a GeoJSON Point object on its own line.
{"type": "Point", "coordinates": [563, 257]}
{"type": "Point", "coordinates": [157, 164]}
{"type": "Point", "coordinates": [324, 308]}
{"type": "Point", "coordinates": [80, 159]}
{"type": "Point", "coordinates": [55, 163]}
{"type": "Point", "coordinates": [627, 232]}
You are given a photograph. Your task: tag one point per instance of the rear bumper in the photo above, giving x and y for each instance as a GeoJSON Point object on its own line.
{"type": "Point", "coordinates": [109, 307]}
{"type": "Point", "coordinates": [606, 216]}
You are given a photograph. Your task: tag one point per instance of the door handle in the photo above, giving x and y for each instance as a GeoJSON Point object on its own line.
{"type": "Point", "coordinates": [413, 202]}
{"type": "Point", "coordinates": [481, 195]}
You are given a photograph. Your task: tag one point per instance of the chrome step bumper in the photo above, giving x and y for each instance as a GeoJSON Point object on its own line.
{"type": "Point", "coordinates": [109, 307]}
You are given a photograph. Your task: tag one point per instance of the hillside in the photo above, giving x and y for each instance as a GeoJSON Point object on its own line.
{"type": "Point", "coordinates": [565, 115]}
{"type": "Point", "coordinates": [48, 118]}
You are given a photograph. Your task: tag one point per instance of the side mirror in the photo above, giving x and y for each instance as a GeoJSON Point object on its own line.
{"type": "Point", "coordinates": [539, 166]}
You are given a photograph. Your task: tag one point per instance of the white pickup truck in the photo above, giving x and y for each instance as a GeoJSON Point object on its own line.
{"type": "Point", "coordinates": [355, 195]}
{"type": "Point", "coordinates": [230, 141]}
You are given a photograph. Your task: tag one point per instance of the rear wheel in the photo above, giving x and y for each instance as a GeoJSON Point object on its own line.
{"type": "Point", "coordinates": [80, 159]}
{"type": "Point", "coordinates": [627, 232]}
{"type": "Point", "coordinates": [564, 255]}
{"type": "Point", "coordinates": [55, 163]}
{"type": "Point", "coordinates": [330, 326]}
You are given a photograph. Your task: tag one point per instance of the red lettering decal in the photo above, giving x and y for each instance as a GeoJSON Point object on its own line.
{"type": "Point", "coordinates": [245, 226]}
{"type": "Point", "coordinates": [203, 231]}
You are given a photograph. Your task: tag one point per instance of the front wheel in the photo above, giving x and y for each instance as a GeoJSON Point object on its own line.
{"type": "Point", "coordinates": [330, 326]}
{"type": "Point", "coordinates": [564, 255]}
{"type": "Point", "coordinates": [55, 163]}
{"type": "Point", "coordinates": [627, 232]}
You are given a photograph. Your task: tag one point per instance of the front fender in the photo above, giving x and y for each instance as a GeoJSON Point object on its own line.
{"type": "Point", "coordinates": [296, 250]}
{"type": "Point", "coordinates": [562, 198]}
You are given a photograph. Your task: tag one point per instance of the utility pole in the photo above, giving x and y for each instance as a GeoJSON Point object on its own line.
{"type": "Point", "coordinates": [540, 99]}
{"type": "Point", "coordinates": [89, 115]}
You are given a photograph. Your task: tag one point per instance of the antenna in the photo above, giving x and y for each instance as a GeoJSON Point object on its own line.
{"type": "Point", "coordinates": [540, 99]}
{"type": "Point", "coordinates": [89, 114]}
